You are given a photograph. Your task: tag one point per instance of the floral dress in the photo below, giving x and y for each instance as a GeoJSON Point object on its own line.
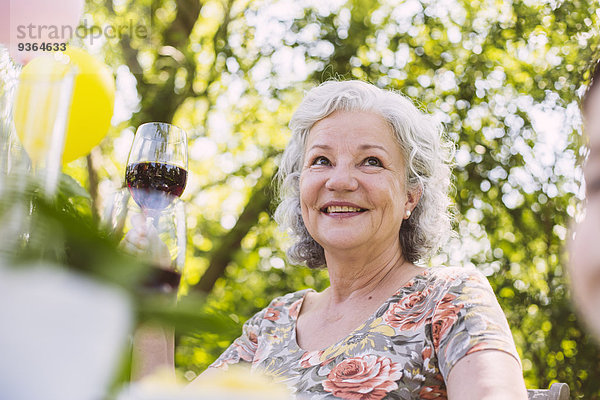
{"type": "Point", "coordinates": [405, 350]}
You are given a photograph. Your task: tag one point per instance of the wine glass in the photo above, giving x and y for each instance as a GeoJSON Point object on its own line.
{"type": "Point", "coordinates": [156, 171]}
{"type": "Point", "coordinates": [41, 116]}
{"type": "Point", "coordinates": [156, 176]}
{"type": "Point", "coordinates": [34, 111]}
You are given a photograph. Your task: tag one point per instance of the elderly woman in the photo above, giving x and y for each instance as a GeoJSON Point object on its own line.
{"type": "Point", "coordinates": [364, 186]}
{"type": "Point", "coordinates": [584, 250]}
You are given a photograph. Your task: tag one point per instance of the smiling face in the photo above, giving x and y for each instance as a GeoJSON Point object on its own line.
{"type": "Point", "coordinates": [352, 186]}
{"type": "Point", "coordinates": [584, 250]}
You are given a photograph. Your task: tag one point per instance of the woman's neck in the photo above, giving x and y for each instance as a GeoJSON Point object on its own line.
{"type": "Point", "coordinates": [359, 276]}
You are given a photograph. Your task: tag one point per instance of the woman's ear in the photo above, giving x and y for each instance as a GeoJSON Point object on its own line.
{"type": "Point", "coordinates": [412, 198]}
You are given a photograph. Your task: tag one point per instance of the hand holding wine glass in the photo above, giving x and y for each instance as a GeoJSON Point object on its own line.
{"type": "Point", "coordinates": [144, 239]}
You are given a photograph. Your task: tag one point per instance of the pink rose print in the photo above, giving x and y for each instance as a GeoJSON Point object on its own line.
{"type": "Point", "coordinates": [310, 359]}
{"type": "Point", "coordinates": [444, 317]}
{"type": "Point", "coordinates": [426, 353]}
{"type": "Point", "coordinates": [432, 393]}
{"type": "Point", "coordinates": [428, 364]}
{"type": "Point", "coordinates": [477, 347]}
{"type": "Point", "coordinates": [410, 312]}
{"type": "Point", "coordinates": [224, 363]}
{"type": "Point", "coordinates": [272, 314]}
{"type": "Point", "coordinates": [363, 378]}
{"type": "Point", "coordinates": [295, 309]}
{"type": "Point", "coordinates": [247, 348]}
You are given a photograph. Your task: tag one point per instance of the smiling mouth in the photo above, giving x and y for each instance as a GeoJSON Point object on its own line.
{"type": "Point", "coordinates": [341, 209]}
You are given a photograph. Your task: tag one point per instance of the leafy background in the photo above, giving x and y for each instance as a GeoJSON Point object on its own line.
{"type": "Point", "coordinates": [504, 77]}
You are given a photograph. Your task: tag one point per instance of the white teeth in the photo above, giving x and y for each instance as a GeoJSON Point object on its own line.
{"type": "Point", "coordinates": [335, 209]}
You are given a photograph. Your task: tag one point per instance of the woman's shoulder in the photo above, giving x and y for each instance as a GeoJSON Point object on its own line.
{"type": "Point", "coordinates": [286, 304]}
{"type": "Point", "coordinates": [453, 275]}
{"type": "Point", "coordinates": [289, 299]}
{"type": "Point", "coordinates": [454, 272]}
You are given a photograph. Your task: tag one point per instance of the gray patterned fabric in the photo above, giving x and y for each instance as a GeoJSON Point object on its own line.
{"type": "Point", "coordinates": [405, 350]}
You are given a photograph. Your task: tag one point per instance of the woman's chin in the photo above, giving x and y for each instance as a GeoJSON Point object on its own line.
{"type": "Point", "coordinates": [346, 245]}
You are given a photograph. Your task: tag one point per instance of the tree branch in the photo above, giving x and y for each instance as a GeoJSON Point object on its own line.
{"type": "Point", "coordinates": [259, 201]}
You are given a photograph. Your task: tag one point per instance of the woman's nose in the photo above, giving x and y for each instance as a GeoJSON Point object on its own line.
{"type": "Point", "coordinates": [342, 179]}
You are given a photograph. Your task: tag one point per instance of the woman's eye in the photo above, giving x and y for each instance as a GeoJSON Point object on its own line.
{"type": "Point", "coordinates": [320, 161]}
{"type": "Point", "coordinates": [372, 162]}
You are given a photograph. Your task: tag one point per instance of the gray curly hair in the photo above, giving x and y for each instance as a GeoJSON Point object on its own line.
{"type": "Point", "coordinates": [423, 145]}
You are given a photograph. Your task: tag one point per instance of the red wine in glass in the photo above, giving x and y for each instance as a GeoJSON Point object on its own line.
{"type": "Point", "coordinates": [154, 185]}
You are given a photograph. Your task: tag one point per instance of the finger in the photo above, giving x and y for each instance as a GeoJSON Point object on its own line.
{"type": "Point", "coordinates": [136, 247]}
{"type": "Point", "coordinates": [135, 242]}
{"type": "Point", "coordinates": [135, 236]}
{"type": "Point", "coordinates": [138, 222]}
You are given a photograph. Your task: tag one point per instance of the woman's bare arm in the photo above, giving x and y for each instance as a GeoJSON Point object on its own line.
{"type": "Point", "coordinates": [153, 345]}
{"type": "Point", "coordinates": [486, 375]}
{"type": "Point", "coordinates": [153, 349]}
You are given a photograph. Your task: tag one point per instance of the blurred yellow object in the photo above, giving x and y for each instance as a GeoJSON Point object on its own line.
{"type": "Point", "coordinates": [91, 105]}
{"type": "Point", "coordinates": [37, 106]}
{"type": "Point", "coordinates": [237, 382]}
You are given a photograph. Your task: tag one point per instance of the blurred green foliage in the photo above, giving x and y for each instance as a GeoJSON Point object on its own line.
{"type": "Point", "coordinates": [502, 76]}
